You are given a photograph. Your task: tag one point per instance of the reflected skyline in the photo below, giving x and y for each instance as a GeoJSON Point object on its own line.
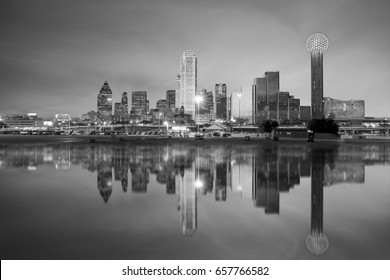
{"type": "Point", "coordinates": [257, 172]}
{"type": "Point", "coordinates": [261, 176]}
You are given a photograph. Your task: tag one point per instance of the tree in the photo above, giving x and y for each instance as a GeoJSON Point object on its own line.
{"type": "Point", "coordinates": [268, 126]}
{"type": "Point", "coordinates": [323, 126]}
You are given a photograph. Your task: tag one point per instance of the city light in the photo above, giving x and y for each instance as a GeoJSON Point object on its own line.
{"type": "Point", "coordinates": [198, 184]}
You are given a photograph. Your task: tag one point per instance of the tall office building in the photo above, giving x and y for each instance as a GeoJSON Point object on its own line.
{"type": "Point", "coordinates": [220, 101]}
{"type": "Point", "coordinates": [121, 110]}
{"type": "Point", "coordinates": [284, 105]}
{"type": "Point", "coordinates": [171, 99]}
{"type": "Point", "coordinates": [104, 104]}
{"type": "Point", "coordinates": [293, 108]}
{"type": "Point", "coordinates": [161, 105]}
{"type": "Point", "coordinates": [316, 45]}
{"type": "Point", "coordinates": [259, 100]}
{"type": "Point", "coordinates": [304, 113]}
{"type": "Point", "coordinates": [177, 92]}
{"type": "Point", "coordinates": [125, 104]}
{"type": "Point", "coordinates": [265, 97]}
{"type": "Point", "coordinates": [139, 102]}
{"type": "Point", "coordinates": [208, 102]}
{"type": "Point", "coordinates": [272, 94]}
{"type": "Point", "coordinates": [188, 82]}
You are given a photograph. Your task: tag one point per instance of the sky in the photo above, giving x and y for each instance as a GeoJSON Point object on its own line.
{"type": "Point", "coordinates": [55, 55]}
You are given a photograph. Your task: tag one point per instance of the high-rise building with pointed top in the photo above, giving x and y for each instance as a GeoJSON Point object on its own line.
{"type": "Point", "coordinates": [104, 104]}
{"type": "Point", "coordinates": [188, 82]}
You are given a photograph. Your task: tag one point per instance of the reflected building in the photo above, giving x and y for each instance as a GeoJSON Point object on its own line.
{"type": "Point", "coordinates": [261, 173]}
{"type": "Point", "coordinates": [139, 179]}
{"type": "Point", "coordinates": [104, 181]}
{"type": "Point", "coordinates": [266, 181]}
{"type": "Point", "coordinates": [221, 181]}
{"type": "Point", "coordinates": [121, 166]}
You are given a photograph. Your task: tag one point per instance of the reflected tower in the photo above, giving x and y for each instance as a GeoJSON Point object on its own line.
{"type": "Point", "coordinates": [316, 241]}
{"type": "Point", "coordinates": [316, 45]}
{"type": "Point", "coordinates": [188, 211]}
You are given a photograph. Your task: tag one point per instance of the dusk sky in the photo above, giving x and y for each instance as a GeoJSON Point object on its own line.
{"type": "Point", "coordinates": [55, 55]}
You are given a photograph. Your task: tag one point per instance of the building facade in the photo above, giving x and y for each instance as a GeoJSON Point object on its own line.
{"type": "Point", "coordinates": [304, 113]}
{"type": "Point", "coordinates": [265, 97]}
{"type": "Point", "coordinates": [171, 99]}
{"type": "Point", "coordinates": [284, 98]}
{"type": "Point", "coordinates": [293, 108]}
{"type": "Point", "coordinates": [343, 109]}
{"type": "Point", "coordinates": [221, 101]}
{"type": "Point", "coordinates": [272, 94]}
{"type": "Point", "coordinates": [139, 103]}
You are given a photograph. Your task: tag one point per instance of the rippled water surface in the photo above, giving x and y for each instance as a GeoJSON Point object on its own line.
{"type": "Point", "coordinates": [263, 200]}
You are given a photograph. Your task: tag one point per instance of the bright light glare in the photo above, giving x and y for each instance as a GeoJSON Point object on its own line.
{"type": "Point", "coordinates": [198, 184]}
{"type": "Point", "coordinates": [198, 98]}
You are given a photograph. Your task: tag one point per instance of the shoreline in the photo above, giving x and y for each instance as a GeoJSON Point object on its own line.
{"type": "Point", "coordinates": [154, 139]}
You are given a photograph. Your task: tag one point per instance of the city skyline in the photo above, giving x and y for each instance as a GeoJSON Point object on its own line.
{"type": "Point", "coordinates": [50, 61]}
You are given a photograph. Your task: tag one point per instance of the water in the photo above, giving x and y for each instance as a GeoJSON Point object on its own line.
{"type": "Point", "coordinates": [191, 200]}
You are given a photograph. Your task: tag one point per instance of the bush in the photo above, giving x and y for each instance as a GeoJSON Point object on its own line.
{"type": "Point", "coordinates": [268, 125]}
{"type": "Point", "coordinates": [323, 126]}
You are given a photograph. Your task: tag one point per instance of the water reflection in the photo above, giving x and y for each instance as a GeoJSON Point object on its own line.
{"type": "Point", "coordinates": [257, 173]}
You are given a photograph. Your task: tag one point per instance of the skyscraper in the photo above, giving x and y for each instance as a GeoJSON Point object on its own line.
{"type": "Point", "coordinates": [177, 92]}
{"type": "Point", "coordinates": [171, 99]}
{"type": "Point", "coordinates": [188, 82]}
{"type": "Point", "coordinates": [220, 101]}
{"type": "Point", "coordinates": [283, 105]}
{"type": "Point", "coordinates": [104, 104]}
{"type": "Point", "coordinates": [304, 113]}
{"type": "Point", "coordinates": [316, 45]}
{"type": "Point", "coordinates": [265, 97]}
{"type": "Point", "coordinates": [293, 108]}
{"type": "Point", "coordinates": [259, 100]}
{"type": "Point", "coordinates": [272, 94]}
{"type": "Point", "coordinates": [139, 102]}
{"type": "Point", "coordinates": [125, 104]}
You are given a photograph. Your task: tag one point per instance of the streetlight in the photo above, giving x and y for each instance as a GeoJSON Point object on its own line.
{"type": "Point", "coordinates": [166, 123]}
{"type": "Point", "coordinates": [159, 120]}
{"type": "Point", "coordinates": [198, 99]}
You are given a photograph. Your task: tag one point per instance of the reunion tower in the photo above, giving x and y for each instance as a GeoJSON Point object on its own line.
{"type": "Point", "coordinates": [316, 45]}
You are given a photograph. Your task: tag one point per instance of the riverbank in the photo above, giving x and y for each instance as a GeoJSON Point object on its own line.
{"type": "Point", "coordinates": [154, 139]}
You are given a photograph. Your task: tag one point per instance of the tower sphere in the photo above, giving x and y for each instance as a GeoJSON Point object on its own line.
{"type": "Point", "coordinates": [317, 243]}
{"type": "Point", "coordinates": [317, 43]}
